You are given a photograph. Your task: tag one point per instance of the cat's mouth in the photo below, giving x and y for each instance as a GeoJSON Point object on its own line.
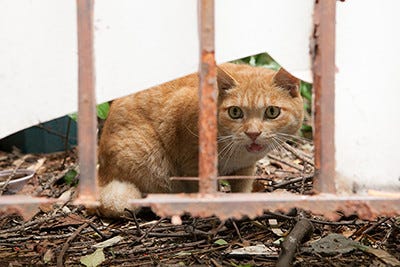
{"type": "Point", "coordinates": [255, 148]}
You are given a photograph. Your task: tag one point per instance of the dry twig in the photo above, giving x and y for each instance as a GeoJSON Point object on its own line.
{"type": "Point", "coordinates": [299, 154]}
{"type": "Point", "coordinates": [7, 181]}
{"type": "Point", "coordinates": [286, 162]}
{"type": "Point", "coordinates": [65, 247]}
{"type": "Point", "coordinates": [300, 231]}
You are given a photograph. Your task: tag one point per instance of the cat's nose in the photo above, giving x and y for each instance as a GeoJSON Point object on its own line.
{"type": "Point", "coordinates": [253, 135]}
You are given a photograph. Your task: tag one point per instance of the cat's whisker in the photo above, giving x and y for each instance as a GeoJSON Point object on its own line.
{"type": "Point", "coordinates": [275, 146]}
{"type": "Point", "coordinates": [281, 148]}
{"type": "Point", "coordinates": [288, 139]}
{"type": "Point", "coordinates": [270, 146]}
{"type": "Point", "coordinates": [190, 131]}
{"type": "Point", "coordinates": [293, 138]}
{"type": "Point", "coordinates": [221, 139]}
{"type": "Point", "coordinates": [230, 153]}
{"type": "Point", "coordinates": [224, 149]}
{"type": "Point", "coordinates": [298, 153]}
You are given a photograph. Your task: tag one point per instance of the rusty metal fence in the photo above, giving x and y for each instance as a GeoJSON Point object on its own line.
{"type": "Point", "coordinates": [208, 201]}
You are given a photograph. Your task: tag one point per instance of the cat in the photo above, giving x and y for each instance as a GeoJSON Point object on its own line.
{"type": "Point", "coordinates": [152, 135]}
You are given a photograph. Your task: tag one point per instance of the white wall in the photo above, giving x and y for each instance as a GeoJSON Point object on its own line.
{"type": "Point", "coordinates": [142, 43]}
{"type": "Point", "coordinates": [38, 74]}
{"type": "Point", "coordinates": [138, 44]}
{"type": "Point", "coordinates": [368, 94]}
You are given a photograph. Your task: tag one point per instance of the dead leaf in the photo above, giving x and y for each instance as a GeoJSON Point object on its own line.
{"type": "Point", "coordinates": [176, 220]}
{"type": "Point", "coordinates": [381, 254]}
{"type": "Point", "coordinates": [94, 259]}
{"type": "Point", "coordinates": [275, 227]}
{"type": "Point", "coordinates": [48, 256]}
{"type": "Point", "coordinates": [334, 244]}
{"type": "Point", "coordinates": [348, 233]}
{"type": "Point", "coordinates": [259, 249]}
{"type": "Point", "coordinates": [109, 242]}
{"type": "Point", "coordinates": [36, 166]}
{"type": "Point", "coordinates": [66, 196]}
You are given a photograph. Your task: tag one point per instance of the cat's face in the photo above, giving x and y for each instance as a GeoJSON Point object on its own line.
{"type": "Point", "coordinates": [256, 108]}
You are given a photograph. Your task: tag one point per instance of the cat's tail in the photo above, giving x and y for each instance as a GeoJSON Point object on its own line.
{"type": "Point", "coordinates": [114, 198]}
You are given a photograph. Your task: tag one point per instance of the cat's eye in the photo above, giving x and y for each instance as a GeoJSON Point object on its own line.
{"type": "Point", "coordinates": [235, 112]}
{"type": "Point", "coordinates": [272, 112]}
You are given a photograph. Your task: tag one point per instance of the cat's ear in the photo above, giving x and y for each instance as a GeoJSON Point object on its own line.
{"type": "Point", "coordinates": [224, 80]}
{"type": "Point", "coordinates": [287, 81]}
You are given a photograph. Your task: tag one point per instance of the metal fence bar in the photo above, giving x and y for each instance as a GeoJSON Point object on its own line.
{"type": "Point", "coordinates": [26, 206]}
{"type": "Point", "coordinates": [87, 123]}
{"type": "Point", "coordinates": [221, 204]}
{"type": "Point", "coordinates": [237, 205]}
{"type": "Point", "coordinates": [208, 100]}
{"type": "Point", "coordinates": [324, 95]}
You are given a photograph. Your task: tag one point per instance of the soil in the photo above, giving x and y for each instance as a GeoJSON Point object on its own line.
{"type": "Point", "coordinates": [66, 235]}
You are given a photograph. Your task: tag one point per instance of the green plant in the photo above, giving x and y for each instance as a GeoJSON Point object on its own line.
{"type": "Point", "coordinates": [70, 176]}
{"type": "Point", "coordinates": [101, 111]}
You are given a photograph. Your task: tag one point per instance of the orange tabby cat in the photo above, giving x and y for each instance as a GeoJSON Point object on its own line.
{"type": "Point", "coordinates": [152, 135]}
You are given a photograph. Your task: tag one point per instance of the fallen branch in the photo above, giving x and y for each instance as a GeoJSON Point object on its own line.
{"type": "Point", "coordinates": [65, 247]}
{"type": "Point", "coordinates": [302, 230]}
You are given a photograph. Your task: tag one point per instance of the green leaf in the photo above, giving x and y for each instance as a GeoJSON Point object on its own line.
{"type": "Point", "coordinates": [220, 242]}
{"type": "Point", "coordinates": [224, 182]}
{"type": "Point", "coordinates": [272, 66]}
{"type": "Point", "coordinates": [263, 59]}
{"type": "Point", "coordinates": [73, 116]}
{"type": "Point", "coordinates": [252, 61]}
{"type": "Point", "coordinates": [70, 176]}
{"type": "Point", "coordinates": [306, 106]}
{"type": "Point", "coordinates": [102, 110]}
{"type": "Point", "coordinates": [306, 128]}
{"type": "Point", "coordinates": [94, 259]}
{"type": "Point", "coordinates": [305, 90]}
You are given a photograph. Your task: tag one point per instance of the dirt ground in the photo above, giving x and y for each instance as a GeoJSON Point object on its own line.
{"type": "Point", "coordinates": [65, 235]}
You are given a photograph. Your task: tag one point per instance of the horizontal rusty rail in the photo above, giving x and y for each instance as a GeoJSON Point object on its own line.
{"type": "Point", "coordinates": [26, 206]}
{"type": "Point", "coordinates": [236, 177]}
{"type": "Point", "coordinates": [237, 205]}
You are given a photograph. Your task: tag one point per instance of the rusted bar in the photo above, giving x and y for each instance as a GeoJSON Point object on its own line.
{"type": "Point", "coordinates": [236, 177]}
{"type": "Point", "coordinates": [323, 54]}
{"type": "Point", "coordinates": [26, 206]}
{"type": "Point", "coordinates": [237, 205]}
{"type": "Point", "coordinates": [208, 100]}
{"type": "Point", "coordinates": [87, 123]}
